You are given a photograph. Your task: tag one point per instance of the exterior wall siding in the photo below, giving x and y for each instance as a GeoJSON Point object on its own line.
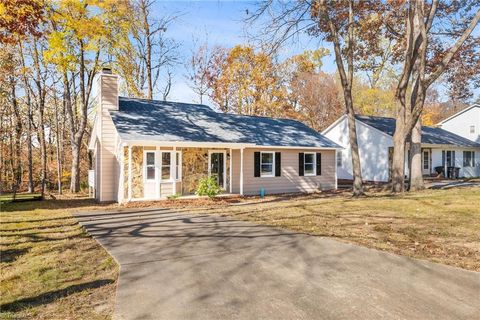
{"type": "Point", "coordinates": [110, 169]}
{"type": "Point", "coordinates": [373, 151]}
{"type": "Point", "coordinates": [461, 124]}
{"type": "Point", "coordinates": [290, 181]}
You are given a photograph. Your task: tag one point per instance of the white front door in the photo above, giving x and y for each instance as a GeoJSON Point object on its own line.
{"type": "Point", "coordinates": [426, 162]}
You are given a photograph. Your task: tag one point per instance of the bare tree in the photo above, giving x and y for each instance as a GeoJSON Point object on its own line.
{"type": "Point", "coordinates": [154, 51]}
{"type": "Point", "coordinates": [422, 66]}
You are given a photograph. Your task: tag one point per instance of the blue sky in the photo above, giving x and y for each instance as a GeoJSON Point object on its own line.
{"type": "Point", "coordinates": [223, 22]}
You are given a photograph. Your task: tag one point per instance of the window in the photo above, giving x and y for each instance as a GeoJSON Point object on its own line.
{"type": "Point", "coordinates": [150, 165]}
{"type": "Point", "coordinates": [177, 165]}
{"type": "Point", "coordinates": [166, 165]}
{"type": "Point", "coordinates": [426, 160]}
{"type": "Point", "coordinates": [472, 129]}
{"type": "Point", "coordinates": [468, 158]}
{"type": "Point", "coordinates": [339, 159]}
{"type": "Point", "coordinates": [309, 164]}
{"type": "Point", "coordinates": [267, 167]}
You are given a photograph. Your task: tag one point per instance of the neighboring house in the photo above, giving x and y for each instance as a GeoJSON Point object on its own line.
{"type": "Point", "coordinates": [465, 123]}
{"type": "Point", "coordinates": [375, 142]}
{"type": "Point", "coordinates": [147, 149]}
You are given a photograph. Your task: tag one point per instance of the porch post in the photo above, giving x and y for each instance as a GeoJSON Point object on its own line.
{"type": "Point", "coordinates": [241, 171]}
{"type": "Point", "coordinates": [121, 186]}
{"type": "Point", "coordinates": [230, 172]}
{"type": "Point", "coordinates": [129, 172]}
{"type": "Point", "coordinates": [174, 161]}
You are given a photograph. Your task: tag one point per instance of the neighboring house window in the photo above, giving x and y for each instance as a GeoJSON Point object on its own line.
{"type": "Point", "coordinates": [468, 158]}
{"type": "Point", "coordinates": [339, 159]}
{"type": "Point", "coordinates": [472, 129]}
{"type": "Point", "coordinates": [150, 165]}
{"type": "Point", "coordinates": [426, 160]}
{"type": "Point", "coordinates": [166, 161]}
{"type": "Point", "coordinates": [309, 164]}
{"type": "Point", "coordinates": [267, 164]}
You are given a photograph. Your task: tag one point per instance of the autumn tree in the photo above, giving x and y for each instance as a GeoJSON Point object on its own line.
{"type": "Point", "coordinates": [345, 24]}
{"type": "Point", "coordinates": [318, 99]}
{"type": "Point", "coordinates": [247, 84]}
{"type": "Point", "coordinates": [80, 31]}
{"type": "Point", "coordinates": [19, 18]}
{"type": "Point", "coordinates": [203, 67]}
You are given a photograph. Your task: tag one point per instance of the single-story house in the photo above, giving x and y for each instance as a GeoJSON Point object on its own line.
{"type": "Point", "coordinates": [147, 149]}
{"type": "Point", "coordinates": [465, 123]}
{"type": "Point", "coordinates": [375, 141]}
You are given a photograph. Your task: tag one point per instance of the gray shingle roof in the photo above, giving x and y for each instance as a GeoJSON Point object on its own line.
{"type": "Point", "coordinates": [139, 119]}
{"type": "Point", "coordinates": [430, 135]}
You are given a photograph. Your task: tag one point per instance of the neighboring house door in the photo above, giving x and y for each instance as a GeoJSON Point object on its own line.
{"type": "Point", "coordinates": [216, 167]}
{"type": "Point", "coordinates": [426, 162]}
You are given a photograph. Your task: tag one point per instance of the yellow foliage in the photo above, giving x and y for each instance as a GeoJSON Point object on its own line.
{"type": "Point", "coordinates": [373, 101]}
{"type": "Point", "coordinates": [247, 84]}
{"type": "Point", "coordinates": [83, 26]}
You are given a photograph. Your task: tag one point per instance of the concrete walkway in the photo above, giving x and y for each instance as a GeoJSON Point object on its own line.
{"type": "Point", "coordinates": [183, 266]}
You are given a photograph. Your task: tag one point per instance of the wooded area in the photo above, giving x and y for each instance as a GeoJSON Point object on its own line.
{"type": "Point", "coordinates": [388, 56]}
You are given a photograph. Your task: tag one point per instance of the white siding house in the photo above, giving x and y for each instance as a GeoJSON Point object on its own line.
{"type": "Point", "coordinates": [465, 123]}
{"type": "Point", "coordinates": [440, 148]}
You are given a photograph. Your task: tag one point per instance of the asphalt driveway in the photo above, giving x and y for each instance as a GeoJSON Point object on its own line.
{"type": "Point", "coordinates": [176, 265]}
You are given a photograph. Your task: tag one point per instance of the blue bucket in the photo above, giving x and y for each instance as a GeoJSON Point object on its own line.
{"type": "Point", "coordinates": [262, 192]}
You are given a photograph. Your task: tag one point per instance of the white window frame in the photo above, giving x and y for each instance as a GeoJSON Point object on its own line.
{"type": "Point", "coordinates": [146, 166]}
{"type": "Point", "coordinates": [262, 175]}
{"type": "Point", "coordinates": [472, 159]}
{"type": "Point", "coordinates": [170, 179]}
{"type": "Point", "coordinates": [177, 164]}
{"type": "Point", "coordinates": [314, 164]}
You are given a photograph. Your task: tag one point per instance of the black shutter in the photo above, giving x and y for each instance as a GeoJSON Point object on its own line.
{"type": "Point", "coordinates": [256, 161]}
{"type": "Point", "coordinates": [301, 161]}
{"type": "Point", "coordinates": [278, 164]}
{"type": "Point", "coordinates": [319, 164]}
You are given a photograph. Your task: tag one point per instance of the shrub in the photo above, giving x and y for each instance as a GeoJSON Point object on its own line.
{"type": "Point", "coordinates": [208, 186]}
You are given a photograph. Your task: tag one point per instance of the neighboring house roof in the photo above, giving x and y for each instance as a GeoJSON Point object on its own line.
{"type": "Point", "coordinates": [140, 119]}
{"type": "Point", "coordinates": [459, 113]}
{"type": "Point", "coordinates": [430, 135]}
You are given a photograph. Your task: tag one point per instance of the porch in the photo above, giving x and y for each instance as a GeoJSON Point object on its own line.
{"type": "Point", "coordinates": [150, 172]}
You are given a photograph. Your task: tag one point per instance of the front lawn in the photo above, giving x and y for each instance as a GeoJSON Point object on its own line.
{"type": "Point", "coordinates": [7, 197]}
{"type": "Point", "coordinates": [437, 225]}
{"type": "Point", "coordinates": [50, 268]}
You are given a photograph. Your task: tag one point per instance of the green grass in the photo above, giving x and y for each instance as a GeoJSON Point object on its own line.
{"type": "Point", "coordinates": [50, 268]}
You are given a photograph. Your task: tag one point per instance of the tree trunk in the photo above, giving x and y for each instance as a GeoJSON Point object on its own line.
{"type": "Point", "coordinates": [415, 160]}
{"type": "Point", "coordinates": [18, 135]}
{"type": "Point", "coordinates": [31, 185]}
{"type": "Point", "coordinates": [59, 157]}
{"type": "Point", "coordinates": [43, 150]}
{"type": "Point", "coordinates": [398, 161]}
{"type": "Point", "coordinates": [75, 173]}
{"type": "Point", "coordinates": [352, 136]}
